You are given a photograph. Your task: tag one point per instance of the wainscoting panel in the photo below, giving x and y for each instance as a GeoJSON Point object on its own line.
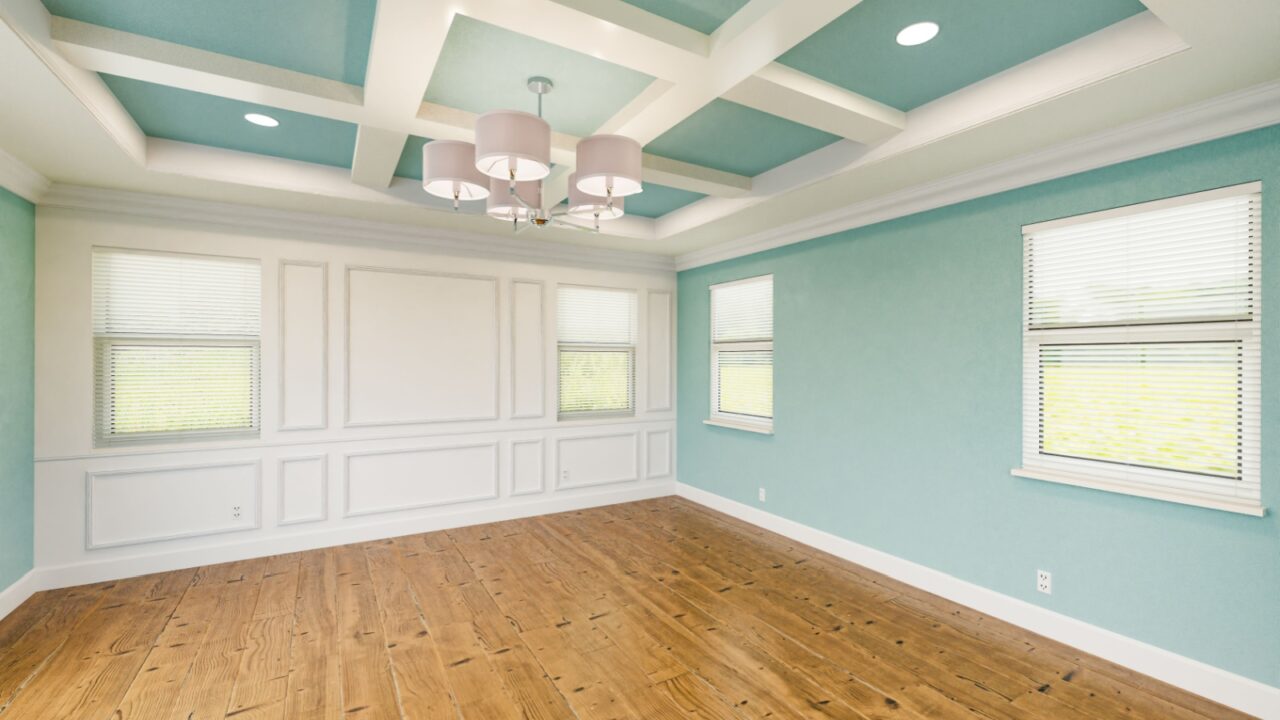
{"type": "Point", "coordinates": [657, 446]}
{"type": "Point", "coordinates": [126, 507]}
{"type": "Point", "coordinates": [421, 347]}
{"type": "Point", "coordinates": [304, 374]}
{"type": "Point", "coordinates": [379, 481]}
{"type": "Point", "coordinates": [527, 466]}
{"type": "Point", "coordinates": [660, 357]}
{"type": "Point", "coordinates": [304, 489]}
{"type": "Point", "coordinates": [588, 460]}
{"type": "Point", "coordinates": [527, 349]}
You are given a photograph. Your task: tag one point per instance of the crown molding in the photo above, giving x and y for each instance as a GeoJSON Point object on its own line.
{"type": "Point", "coordinates": [347, 231]}
{"type": "Point", "coordinates": [20, 179]}
{"type": "Point", "coordinates": [1228, 114]}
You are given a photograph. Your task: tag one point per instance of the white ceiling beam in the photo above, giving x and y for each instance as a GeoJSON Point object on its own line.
{"type": "Point", "coordinates": [737, 54]}
{"type": "Point", "coordinates": [376, 156]}
{"type": "Point", "coordinates": [408, 36]}
{"type": "Point", "coordinates": [31, 22]}
{"type": "Point", "coordinates": [798, 97]}
{"type": "Point", "coordinates": [605, 29]}
{"type": "Point", "coordinates": [104, 50]}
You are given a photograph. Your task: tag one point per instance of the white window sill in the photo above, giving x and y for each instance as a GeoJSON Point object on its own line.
{"type": "Point", "coordinates": [1243, 506]}
{"type": "Point", "coordinates": [760, 428]}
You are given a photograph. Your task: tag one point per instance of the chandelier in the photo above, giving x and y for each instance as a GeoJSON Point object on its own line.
{"type": "Point", "coordinates": [512, 155]}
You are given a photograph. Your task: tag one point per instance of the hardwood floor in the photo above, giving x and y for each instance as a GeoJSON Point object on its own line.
{"type": "Point", "coordinates": [656, 609]}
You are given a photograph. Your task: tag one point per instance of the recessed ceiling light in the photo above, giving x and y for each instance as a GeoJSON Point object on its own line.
{"type": "Point", "coordinates": [917, 34]}
{"type": "Point", "coordinates": [260, 119]}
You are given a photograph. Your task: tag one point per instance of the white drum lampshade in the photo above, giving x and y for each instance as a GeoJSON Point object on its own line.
{"type": "Point", "coordinates": [449, 171]}
{"type": "Point", "coordinates": [609, 163]}
{"type": "Point", "coordinates": [512, 141]}
{"type": "Point", "coordinates": [503, 206]}
{"type": "Point", "coordinates": [582, 205]}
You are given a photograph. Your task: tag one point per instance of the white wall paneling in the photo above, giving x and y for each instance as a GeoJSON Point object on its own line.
{"type": "Point", "coordinates": [597, 459]}
{"type": "Point", "coordinates": [378, 481]}
{"type": "Point", "coordinates": [127, 507]}
{"type": "Point", "coordinates": [528, 466]}
{"type": "Point", "coordinates": [304, 345]}
{"type": "Point", "coordinates": [452, 365]}
{"type": "Point", "coordinates": [528, 349]}
{"type": "Point", "coordinates": [661, 358]}
{"type": "Point", "coordinates": [303, 489]}
{"type": "Point", "coordinates": [658, 454]}
{"type": "Point", "coordinates": [422, 347]}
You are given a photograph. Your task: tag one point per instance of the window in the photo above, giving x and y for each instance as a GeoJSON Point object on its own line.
{"type": "Point", "coordinates": [1141, 350]}
{"type": "Point", "coordinates": [175, 346]}
{"type": "Point", "coordinates": [597, 344]}
{"type": "Point", "coordinates": [742, 354]}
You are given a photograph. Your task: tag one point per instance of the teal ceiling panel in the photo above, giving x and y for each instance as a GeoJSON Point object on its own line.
{"type": "Point", "coordinates": [483, 68]}
{"type": "Point", "coordinates": [328, 38]}
{"type": "Point", "coordinates": [734, 138]}
{"type": "Point", "coordinates": [185, 116]}
{"type": "Point", "coordinates": [658, 200]}
{"type": "Point", "coordinates": [977, 39]}
{"type": "Point", "coordinates": [705, 16]}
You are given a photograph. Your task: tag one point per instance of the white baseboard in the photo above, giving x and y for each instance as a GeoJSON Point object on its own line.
{"type": "Point", "coordinates": [1233, 690]}
{"type": "Point", "coordinates": [58, 576]}
{"type": "Point", "coordinates": [17, 593]}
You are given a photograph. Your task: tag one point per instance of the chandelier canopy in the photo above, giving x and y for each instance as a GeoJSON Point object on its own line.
{"type": "Point", "coordinates": [512, 155]}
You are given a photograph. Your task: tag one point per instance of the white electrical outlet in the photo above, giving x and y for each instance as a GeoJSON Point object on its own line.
{"type": "Point", "coordinates": [761, 494]}
{"type": "Point", "coordinates": [1044, 582]}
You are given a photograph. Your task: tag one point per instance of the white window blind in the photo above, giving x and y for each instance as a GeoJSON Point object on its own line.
{"type": "Point", "coordinates": [596, 331]}
{"type": "Point", "coordinates": [176, 346]}
{"type": "Point", "coordinates": [1142, 354]}
{"type": "Point", "coordinates": [742, 353]}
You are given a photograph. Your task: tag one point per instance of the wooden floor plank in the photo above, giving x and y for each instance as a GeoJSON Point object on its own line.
{"type": "Point", "coordinates": [654, 609]}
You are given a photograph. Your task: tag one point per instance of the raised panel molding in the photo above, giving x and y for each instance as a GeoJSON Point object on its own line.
{"type": "Point", "coordinates": [392, 382]}
{"type": "Point", "coordinates": [301, 491]}
{"type": "Point", "coordinates": [410, 478]}
{"type": "Point", "coordinates": [528, 349]}
{"type": "Point", "coordinates": [659, 324]}
{"type": "Point", "coordinates": [657, 446]}
{"type": "Point", "coordinates": [171, 502]}
{"type": "Point", "coordinates": [604, 459]}
{"type": "Point", "coordinates": [528, 467]}
{"type": "Point", "coordinates": [304, 346]}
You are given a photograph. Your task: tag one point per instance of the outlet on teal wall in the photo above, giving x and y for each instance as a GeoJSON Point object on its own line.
{"type": "Point", "coordinates": [17, 385]}
{"type": "Point", "coordinates": [898, 417]}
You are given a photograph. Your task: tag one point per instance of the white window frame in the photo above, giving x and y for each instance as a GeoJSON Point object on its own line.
{"type": "Point", "coordinates": [562, 347]}
{"type": "Point", "coordinates": [104, 391]}
{"type": "Point", "coordinates": [736, 421]}
{"type": "Point", "coordinates": [1189, 488]}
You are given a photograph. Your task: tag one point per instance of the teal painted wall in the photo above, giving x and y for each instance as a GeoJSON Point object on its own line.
{"type": "Point", "coordinates": [898, 354]}
{"type": "Point", "coordinates": [17, 385]}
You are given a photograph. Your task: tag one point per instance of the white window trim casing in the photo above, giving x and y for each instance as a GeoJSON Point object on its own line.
{"type": "Point", "coordinates": [1239, 496]}
{"type": "Point", "coordinates": [734, 421]}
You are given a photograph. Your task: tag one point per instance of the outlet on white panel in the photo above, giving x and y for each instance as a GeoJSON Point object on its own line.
{"type": "Point", "coordinates": [761, 494]}
{"type": "Point", "coordinates": [1044, 582]}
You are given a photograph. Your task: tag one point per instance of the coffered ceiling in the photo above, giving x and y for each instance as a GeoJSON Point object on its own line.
{"type": "Point", "coordinates": [756, 116]}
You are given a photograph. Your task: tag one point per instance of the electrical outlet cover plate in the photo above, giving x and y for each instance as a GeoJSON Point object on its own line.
{"type": "Point", "coordinates": [1044, 582]}
{"type": "Point", "coordinates": [761, 494]}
